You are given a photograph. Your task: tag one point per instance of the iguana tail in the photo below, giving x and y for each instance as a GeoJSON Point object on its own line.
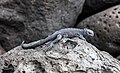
{"type": "Point", "coordinates": [38, 43]}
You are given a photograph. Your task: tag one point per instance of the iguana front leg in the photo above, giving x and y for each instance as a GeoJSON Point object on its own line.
{"type": "Point", "coordinates": [81, 37]}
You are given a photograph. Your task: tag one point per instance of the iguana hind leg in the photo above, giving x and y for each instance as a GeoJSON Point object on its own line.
{"type": "Point", "coordinates": [58, 38]}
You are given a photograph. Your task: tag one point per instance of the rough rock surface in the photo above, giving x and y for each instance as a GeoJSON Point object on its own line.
{"type": "Point", "coordinates": [34, 19]}
{"type": "Point", "coordinates": [94, 6]}
{"type": "Point", "coordinates": [67, 56]}
{"type": "Point", "coordinates": [106, 26]}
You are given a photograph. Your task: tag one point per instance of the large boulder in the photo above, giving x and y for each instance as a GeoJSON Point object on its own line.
{"type": "Point", "coordinates": [34, 19]}
{"type": "Point", "coordinates": [106, 26]}
{"type": "Point", "coordinates": [67, 56]}
{"type": "Point", "coordinates": [94, 6]}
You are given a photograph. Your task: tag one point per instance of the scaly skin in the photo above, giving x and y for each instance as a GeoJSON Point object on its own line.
{"type": "Point", "coordinates": [58, 35]}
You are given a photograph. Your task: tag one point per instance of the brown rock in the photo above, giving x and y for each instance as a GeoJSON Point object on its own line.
{"type": "Point", "coordinates": [2, 51]}
{"type": "Point", "coordinates": [34, 19]}
{"type": "Point", "coordinates": [106, 26]}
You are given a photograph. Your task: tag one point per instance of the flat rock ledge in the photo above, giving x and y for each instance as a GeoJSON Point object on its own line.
{"type": "Point", "coordinates": [67, 56]}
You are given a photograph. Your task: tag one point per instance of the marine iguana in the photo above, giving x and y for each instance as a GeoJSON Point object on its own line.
{"type": "Point", "coordinates": [58, 35]}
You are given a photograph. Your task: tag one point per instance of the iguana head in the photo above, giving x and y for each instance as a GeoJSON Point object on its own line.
{"type": "Point", "coordinates": [88, 32]}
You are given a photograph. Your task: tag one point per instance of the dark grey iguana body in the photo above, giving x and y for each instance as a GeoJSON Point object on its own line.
{"type": "Point", "coordinates": [58, 35]}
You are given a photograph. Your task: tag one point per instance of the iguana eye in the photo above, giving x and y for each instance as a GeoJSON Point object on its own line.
{"type": "Point", "coordinates": [89, 33]}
